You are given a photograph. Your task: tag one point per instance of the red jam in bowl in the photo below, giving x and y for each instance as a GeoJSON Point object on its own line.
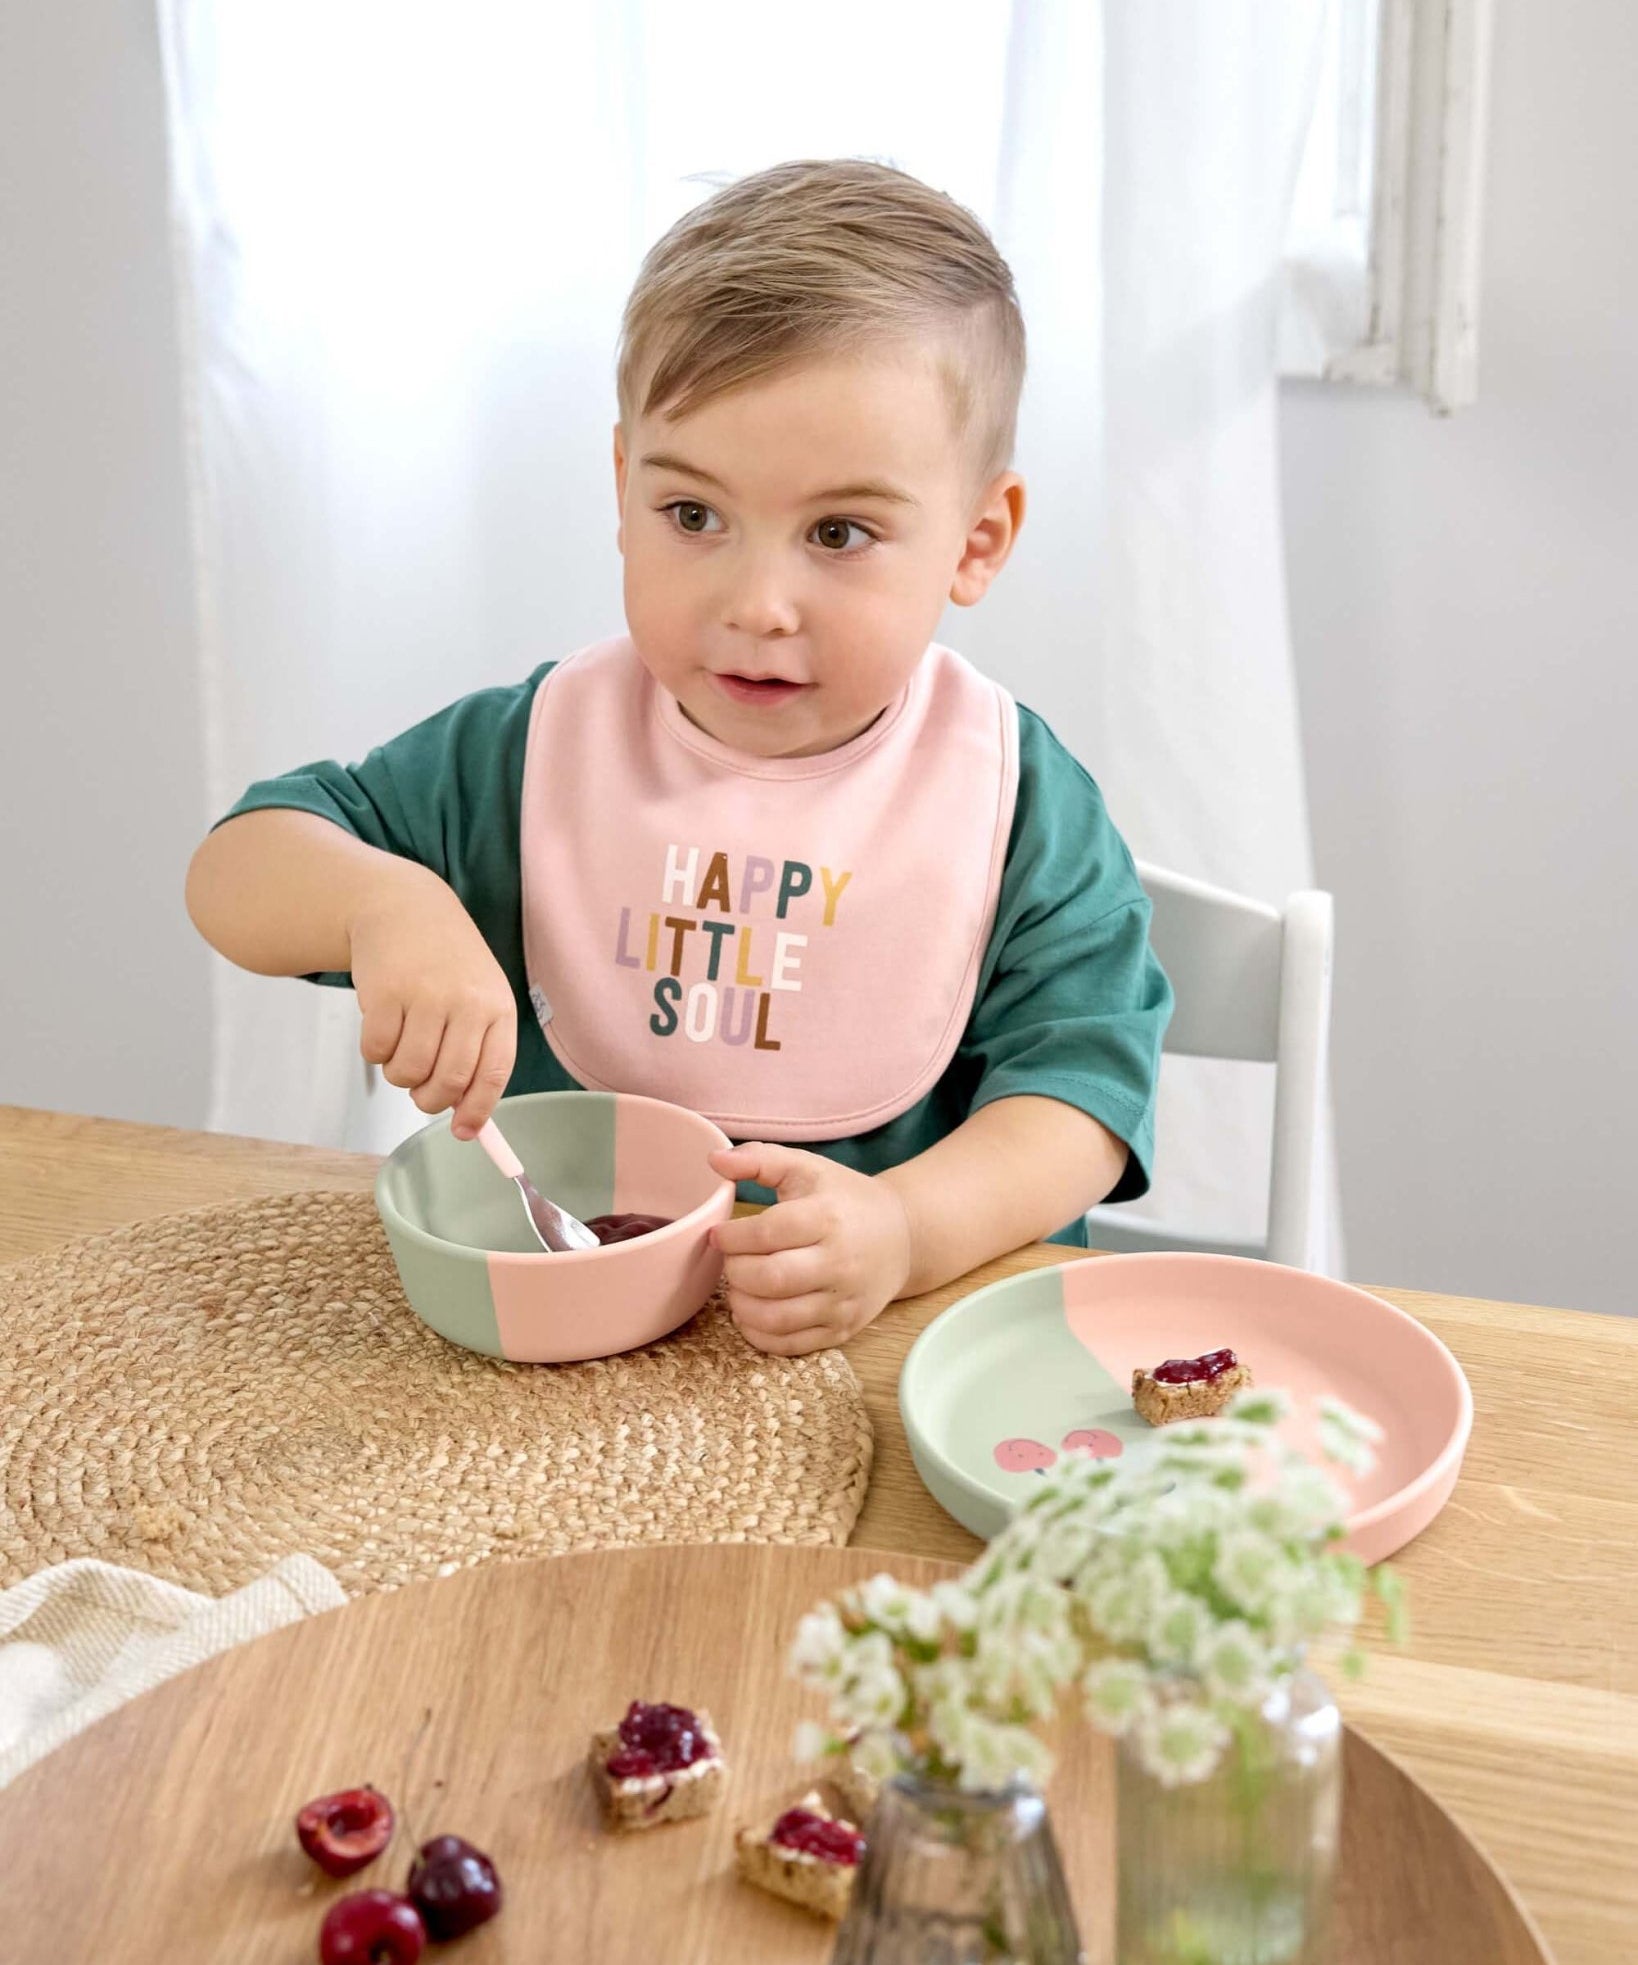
{"type": "Point", "coordinates": [625, 1227]}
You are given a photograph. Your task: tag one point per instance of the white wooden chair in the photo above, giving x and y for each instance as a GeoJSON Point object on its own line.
{"type": "Point", "coordinates": [1252, 982]}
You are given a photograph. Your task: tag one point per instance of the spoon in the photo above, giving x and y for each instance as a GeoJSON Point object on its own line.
{"type": "Point", "coordinates": [555, 1228]}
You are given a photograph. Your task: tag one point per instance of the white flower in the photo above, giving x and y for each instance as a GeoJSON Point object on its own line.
{"type": "Point", "coordinates": [871, 1698]}
{"type": "Point", "coordinates": [944, 1689]}
{"type": "Point", "coordinates": [1309, 1498]}
{"type": "Point", "coordinates": [956, 1604]}
{"type": "Point", "coordinates": [923, 1620]}
{"type": "Point", "coordinates": [1316, 1601]}
{"type": "Point", "coordinates": [819, 1650]}
{"type": "Point", "coordinates": [1236, 1665]}
{"type": "Point", "coordinates": [1180, 1742]}
{"type": "Point", "coordinates": [1249, 1570]}
{"type": "Point", "coordinates": [810, 1741]}
{"type": "Point", "coordinates": [1263, 1406]}
{"type": "Point", "coordinates": [1348, 1437]}
{"type": "Point", "coordinates": [1121, 1589]}
{"type": "Point", "coordinates": [870, 1652]}
{"type": "Point", "coordinates": [994, 1756]}
{"type": "Point", "coordinates": [1063, 1547]}
{"type": "Point", "coordinates": [1176, 1629]}
{"type": "Point", "coordinates": [1345, 1416]}
{"type": "Point", "coordinates": [1117, 1694]}
{"type": "Point", "coordinates": [877, 1755]}
{"type": "Point", "coordinates": [1176, 1588]}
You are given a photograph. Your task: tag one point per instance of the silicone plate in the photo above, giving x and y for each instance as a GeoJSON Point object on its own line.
{"type": "Point", "coordinates": [1007, 1378]}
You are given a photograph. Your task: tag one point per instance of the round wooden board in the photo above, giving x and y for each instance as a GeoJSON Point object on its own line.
{"type": "Point", "coordinates": [164, 1833]}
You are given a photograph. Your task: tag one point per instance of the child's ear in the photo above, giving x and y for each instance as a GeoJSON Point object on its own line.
{"type": "Point", "coordinates": [620, 485]}
{"type": "Point", "coordinates": [989, 539]}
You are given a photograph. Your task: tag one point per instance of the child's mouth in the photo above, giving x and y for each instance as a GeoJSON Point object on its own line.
{"type": "Point", "coordinates": [765, 690]}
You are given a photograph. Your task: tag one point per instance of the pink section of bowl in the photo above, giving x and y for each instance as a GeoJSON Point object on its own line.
{"type": "Point", "coordinates": [1305, 1333]}
{"type": "Point", "coordinates": [592, 1303]}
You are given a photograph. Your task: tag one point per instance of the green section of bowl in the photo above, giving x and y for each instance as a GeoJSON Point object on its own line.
{"type": "Point", "coordinates": [1000, 1364]}
{"type": "Point", "coordinates": [450, 1188]}
{"type": "Point", "coordinates": [453, 1297]}
{"type": "Point", "coordinates": [444, 1207]}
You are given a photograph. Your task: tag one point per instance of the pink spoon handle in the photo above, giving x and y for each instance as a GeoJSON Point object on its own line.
{"type": "Point", "coordinates": [489, 1138]}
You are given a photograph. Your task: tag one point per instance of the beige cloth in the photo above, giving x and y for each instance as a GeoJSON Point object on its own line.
{"type": "Point", "coordinates": [80, 1639]}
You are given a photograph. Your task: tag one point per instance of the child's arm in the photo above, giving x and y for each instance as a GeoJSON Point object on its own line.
{"type": "Point", "coordinates": [286, 893]}
{"type": "Point", "coordinates": [841, 1245]}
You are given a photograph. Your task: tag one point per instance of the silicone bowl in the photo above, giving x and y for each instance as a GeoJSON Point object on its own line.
{"type": "Point", "coordinates": [471, 1269]}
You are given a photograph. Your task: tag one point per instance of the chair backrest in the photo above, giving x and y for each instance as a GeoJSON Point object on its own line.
{"type": "Point", "coordinates": [1252, 982]}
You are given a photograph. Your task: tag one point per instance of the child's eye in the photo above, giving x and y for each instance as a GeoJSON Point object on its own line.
{"type": "Point", "coordinates": [687, 515]}
{"type": "Point", "coordinates": [833, 535]}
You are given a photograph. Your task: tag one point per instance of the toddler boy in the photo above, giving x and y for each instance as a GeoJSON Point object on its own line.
{"type": "Point", "coordinates": [771, 854]}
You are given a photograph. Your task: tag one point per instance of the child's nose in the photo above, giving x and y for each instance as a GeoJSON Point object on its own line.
{"type": "Point", "coordinates": [761, 602]}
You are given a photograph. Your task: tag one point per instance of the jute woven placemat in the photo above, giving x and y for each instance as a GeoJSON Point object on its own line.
{"type": "Point", "coordinates": [201, 1395]}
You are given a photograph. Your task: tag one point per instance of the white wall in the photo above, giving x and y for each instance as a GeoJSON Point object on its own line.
{"type": "Point", "coordinates": [1465, 609]}
{"type": "Point", "coordinates": [1462, 602]}
{"type": "Point", "coordinates": [102, 980]}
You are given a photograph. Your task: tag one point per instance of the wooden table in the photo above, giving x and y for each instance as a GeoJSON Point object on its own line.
{"type": "Point", "coordinates": [1516, 1700]}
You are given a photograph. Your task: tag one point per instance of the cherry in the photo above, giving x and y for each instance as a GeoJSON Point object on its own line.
{"type": "Point", "coordinates": [625, 1227]}
{"type": "Point", "coordinates": [1189, 1371]}
{"type": "Point", "coordinates": [832, 1842]}
{"type": "Point", "coordinates": [343, 1832]}
{"type": "Point", "coordinates": [448, 1845]}
{"type": "Point", "coordinates": [454, 1886]}
{"type": "Point", "coordinates": [372, 1927]}
{"type": "Point", "coordinates": [669, 1735]}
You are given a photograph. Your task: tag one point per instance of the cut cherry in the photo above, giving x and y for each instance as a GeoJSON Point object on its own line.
{"type": "Point", "coordinates": [372, 1927]}
{"type": "Point", "coordinates": [669, 1736]}
{"type": "Point", "coordinates": [1190, 1371]}
{"type": "Point", "coordinates": [343, 1832]}
{"type": "Point", "coordinates": [814, 1835]}
{"type": "Point", "coordinates": [454, 1886]}
{"type": "Point", "coordinates": [625, 1227]}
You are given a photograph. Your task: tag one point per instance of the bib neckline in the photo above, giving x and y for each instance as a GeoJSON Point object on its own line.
{"type": "Point", "coordinates": [667, 712]}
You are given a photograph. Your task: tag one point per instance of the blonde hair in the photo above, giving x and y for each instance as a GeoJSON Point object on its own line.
{"type": "Point", "coordinates": [824, 258]}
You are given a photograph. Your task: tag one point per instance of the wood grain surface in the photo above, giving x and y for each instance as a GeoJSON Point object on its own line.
{"type": "Point", "coordinates": [469, 1701]}
{"type": "Point", "coordinates": [1516, 1700]}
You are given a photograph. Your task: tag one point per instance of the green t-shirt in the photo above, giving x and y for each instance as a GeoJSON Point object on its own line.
{"type": "Point", "coordinates": [1071, 1002]}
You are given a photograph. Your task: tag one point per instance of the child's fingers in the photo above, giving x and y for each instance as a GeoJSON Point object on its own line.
{"type": "Point", "coordinates": [789, 1225]}
{"type": "Point", "coordinates": [785, 1168]}
{"type": "Point", "coordinates": [489, 1079]}
{"type": "Point", "coordinates": [782, 1317]}
{"type": "Point", "coordinates": [795, 1344]}
{"type": "Point", "coordinates": [383, 1025]}
{"type": "Point", "coordinates": [786, 1276]}
{"type": "Point", "coordinates": [411, 1063]}
{"type": "Point", "coordinates": [454, 1065]}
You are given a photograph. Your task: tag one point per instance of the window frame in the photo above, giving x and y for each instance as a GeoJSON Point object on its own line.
{"type": "Point", "coordinates": [1432, 104]}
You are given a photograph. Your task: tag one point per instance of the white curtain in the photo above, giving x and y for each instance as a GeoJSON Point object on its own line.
{"type": "Point", "coordinates": [405, 232]}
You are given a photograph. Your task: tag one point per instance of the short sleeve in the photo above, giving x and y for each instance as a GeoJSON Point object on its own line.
{"type": "Point", "coordinates": [1072, 1001]}
{"type": "Point", "coordinates": [445, 793]}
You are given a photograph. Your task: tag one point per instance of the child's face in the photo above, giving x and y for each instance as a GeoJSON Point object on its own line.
{"type": "Point", "coordinates": [790, 545]}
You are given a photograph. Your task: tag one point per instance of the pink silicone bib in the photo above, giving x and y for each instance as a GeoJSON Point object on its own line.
{"type": "Point", "coordinates": [789, 946]}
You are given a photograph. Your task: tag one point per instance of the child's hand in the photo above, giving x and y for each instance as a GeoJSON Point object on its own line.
{"type": "Point", "coordinates": [814, 1269]}
{"type": "Point", "coordinates": [439, 1015]}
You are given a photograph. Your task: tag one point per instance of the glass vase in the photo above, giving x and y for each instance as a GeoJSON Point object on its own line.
{"type": "Point", "coordinates": [950, 1878]}
{"type": "Point", "coordinates": [1237, 1869]}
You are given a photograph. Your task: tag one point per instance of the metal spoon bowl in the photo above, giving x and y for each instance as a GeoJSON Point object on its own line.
{"type": "Point", "coordinates": [554, 1228]}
